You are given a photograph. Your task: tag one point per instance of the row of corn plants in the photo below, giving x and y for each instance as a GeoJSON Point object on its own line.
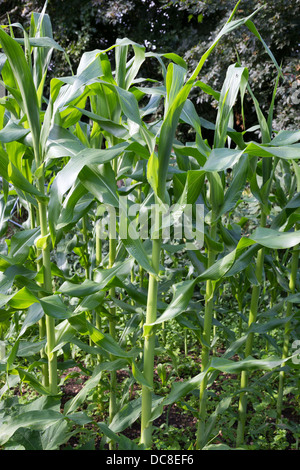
{"type": "Point", "coordinates": [94, 272]}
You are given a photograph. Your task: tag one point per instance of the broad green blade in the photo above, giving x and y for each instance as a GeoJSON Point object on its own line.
{"type": "Point", "coordinates": [236, 78]}
{"type": "Point", "coordinates": [274, 239]}
{"type": "Point", "coordinates": [23, 77]}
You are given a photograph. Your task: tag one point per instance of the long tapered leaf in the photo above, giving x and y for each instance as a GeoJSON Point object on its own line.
{"type": "Point", "coordinates": [23, 77]}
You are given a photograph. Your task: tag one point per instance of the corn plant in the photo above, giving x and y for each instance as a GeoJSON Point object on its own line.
{"type": "Point", "coordinates": [27, 91]}
{"type": "Point", "coordinates": [70, 159]}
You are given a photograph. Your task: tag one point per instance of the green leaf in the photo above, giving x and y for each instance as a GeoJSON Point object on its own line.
{"type": "Point", "coordinates": [285, 137]}
{"type": "Point", "coordinates": [101, 184]}
{"type": "Point", "coordinates": [92, 383]}
{"type": "Point", "coordinates": [21, 243]}
{"type": "Point", "coordinates": [22, 299]}
{"type": "Point", "coordinates": [55, 435]}
{"type": "Point", "coordinates": [124, 443]}
{"type": "Point", "coordinates": [117, 130]}
{"type": "Point", "coordinates": [106, 342]}
{"type": "Point", "coordinates": [102, 278]}
{"type": "Point", "coordinates": [130, 413]}
{"type": "Point", "coordinates": [30, 348]}
{"type": "Point", "coordinates": [54, 307]}
{"type": "Point", "coordinates": [46, 42]}
{"type": "Point", "coordinates": [34, 419]}
{"type": "Point", "coordinates": [12, 131]}
{"type": "Point", "coordinates": [12, 273]}
{"type": "Point", "coordinates": [23, 77]}
{"type": "Point", "coordinates": [126, 416]}
{"type": "Point", "coordinates": [182, 293]}
{"type": "Point", "coordinates": [236, 187]}
{"type": "Point", "coordinates": [221, 159]}
{"type": "Point", "coordinates": [12, 356]}
{"type": "Point", "coordinates": [62, 143]}
{"type": "Point", "coordinates": [235, 79]}
{"type": "Point", "coordinates": [67, 176]}
{"type": "Point", "coordinates": [104, 188]}
{"type": "Point", "coordinates": [20, 182]}
{"type": "Point", "coordinates": [274, 239]}
{"type": "Point", "coordinates": [27, 438]}
{"type": "Point", "coordinates": [250, 25]}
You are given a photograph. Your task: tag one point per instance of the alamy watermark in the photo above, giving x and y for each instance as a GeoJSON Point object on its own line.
{"type": "Point", "coordinates": [175, 223]}
{"type": "Point", "coordinates": [296, 351]}
{"type": "Point", "coordinates": [295, 97]}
